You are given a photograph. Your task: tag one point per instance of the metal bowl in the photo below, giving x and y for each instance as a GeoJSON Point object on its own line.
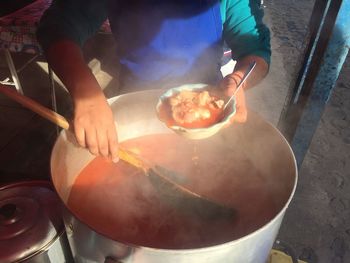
{"type": "Point", "coordinates": [196, 133]}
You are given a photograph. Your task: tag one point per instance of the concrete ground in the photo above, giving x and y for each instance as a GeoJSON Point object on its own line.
{"type": "Point", "coordinates": [317, 224]}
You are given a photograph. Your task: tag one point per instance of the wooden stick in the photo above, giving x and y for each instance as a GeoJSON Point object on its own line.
{"type": "Point", "coordinates": [46, 113]}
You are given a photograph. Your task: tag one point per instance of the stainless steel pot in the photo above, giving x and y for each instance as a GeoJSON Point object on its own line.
{"type": "Point", "coordinates": [31, 226]}
{"type": "Point", "coordinates": [135, 115]}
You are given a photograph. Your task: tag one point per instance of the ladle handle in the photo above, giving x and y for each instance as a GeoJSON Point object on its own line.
{"type": "Point", "coordinates": [46, 113]}
{"type": "Point", "coordinates": [62, 122]}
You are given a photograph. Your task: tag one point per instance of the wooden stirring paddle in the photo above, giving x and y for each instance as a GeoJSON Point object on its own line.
{"type": "Point", "coordinates": [175, 194]}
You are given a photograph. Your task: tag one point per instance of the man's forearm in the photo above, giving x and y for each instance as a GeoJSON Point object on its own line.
{"type": "Point", "coordinates": [66, 59]}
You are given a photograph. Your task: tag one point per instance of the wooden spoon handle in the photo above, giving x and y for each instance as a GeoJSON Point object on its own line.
{"type": "Point", "coordinates": [46, 113]}
{"type": "Point", "coordinates": [133, 159]}
{"type": "Point", "coordinates": [62, 122]}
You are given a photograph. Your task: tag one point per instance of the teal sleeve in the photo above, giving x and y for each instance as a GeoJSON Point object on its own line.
{"type": "Point", "coordinates": [244, 30]}
{"type": "Point", "coordinates": [75, 20]}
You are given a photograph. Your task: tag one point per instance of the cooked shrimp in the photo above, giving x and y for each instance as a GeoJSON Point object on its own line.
{"type": "Point", "coordinates": [190, 107]}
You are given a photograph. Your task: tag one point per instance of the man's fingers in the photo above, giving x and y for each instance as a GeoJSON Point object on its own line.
{"type": "Point", "coordinates": [113, 144]}
{"type": "Point", "coordinates": [241, 108]}
{"type": "Point", "coordinates": [80, 135]}
{"type": "Point", "coordinates": [102, 140]}
{"type": "Point", "coordinates": [240, 117]}
{"type": "Point", "coordinates": [228, 86]}
{"type": "Point", "coordinates": [93, 120]}
{"type": "Point", "coordinates": [99, 142]}
{"type": "Point", "coordinates": [91, 140]}
{"type": "Point", "coordinates": [230, 83]}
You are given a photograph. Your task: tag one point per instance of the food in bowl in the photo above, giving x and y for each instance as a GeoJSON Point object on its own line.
{"type": "Point", "coordinates": [200, 128]}
{"type": "Point", "coordinates": [193, 109]}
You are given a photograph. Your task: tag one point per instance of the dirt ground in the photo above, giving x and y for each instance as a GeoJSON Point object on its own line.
{"type": "Point", "coordinates": [317, 224]}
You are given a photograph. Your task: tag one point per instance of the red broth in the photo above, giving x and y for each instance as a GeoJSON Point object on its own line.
{"type": "Point", "coordinates": [120, 202]}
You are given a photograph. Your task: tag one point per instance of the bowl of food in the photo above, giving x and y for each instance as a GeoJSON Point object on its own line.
{"type": "Point", "coordinates": [194, 111]}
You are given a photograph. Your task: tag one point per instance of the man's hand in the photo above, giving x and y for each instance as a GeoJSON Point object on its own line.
{"type": "Point", "coordinates": [230, 82]}
{"type": "Point", "coordinates": [94, 127]}
{"type": "Point", "coordinates": [229, 85]}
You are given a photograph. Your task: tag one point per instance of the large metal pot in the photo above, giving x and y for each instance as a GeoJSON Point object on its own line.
{"type": "Point", "coordinates": [135, 115]}
{"type": "Point", "coordinates": [31, 226]}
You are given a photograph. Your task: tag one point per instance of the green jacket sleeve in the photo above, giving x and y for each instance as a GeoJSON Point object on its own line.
{"type": "Point", "coordinates": [244, 30]}
{"type": "Point", "coordinates": [75, 20]}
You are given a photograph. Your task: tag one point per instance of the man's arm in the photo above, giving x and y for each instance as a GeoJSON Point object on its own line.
{"type": "Point", "coordinates": [73, 20]}
{"type": "Point", "coordinates": [249, 40]}
{"type": "Point", "coordinates": [63, 29]}
{"type": "Point", "coordinates": [94, 126]}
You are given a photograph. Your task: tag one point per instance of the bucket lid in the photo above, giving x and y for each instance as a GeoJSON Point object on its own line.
{"type": "Point", "coordinates": [30, 219]}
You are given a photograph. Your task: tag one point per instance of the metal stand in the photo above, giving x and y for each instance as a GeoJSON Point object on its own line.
{"type": "Point", "coordinates": [53, 94]}
{"type": "Point", "coordinates": [15, 80]}
{"type": "Point", "coordinates": [323, 60]}
{"type": "Point", "coordinates": [52, 89]}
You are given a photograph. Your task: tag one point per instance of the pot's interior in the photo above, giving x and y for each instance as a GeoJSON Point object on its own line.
{"type": "Point", "coordinates": [248, 167]}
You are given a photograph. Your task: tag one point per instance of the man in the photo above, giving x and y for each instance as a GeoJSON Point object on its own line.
{"type": "Point", "coordinates": [160, 44]}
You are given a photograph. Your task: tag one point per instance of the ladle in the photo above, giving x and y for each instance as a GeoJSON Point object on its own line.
{"type": "Point", "coordinates": [178, 195]}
